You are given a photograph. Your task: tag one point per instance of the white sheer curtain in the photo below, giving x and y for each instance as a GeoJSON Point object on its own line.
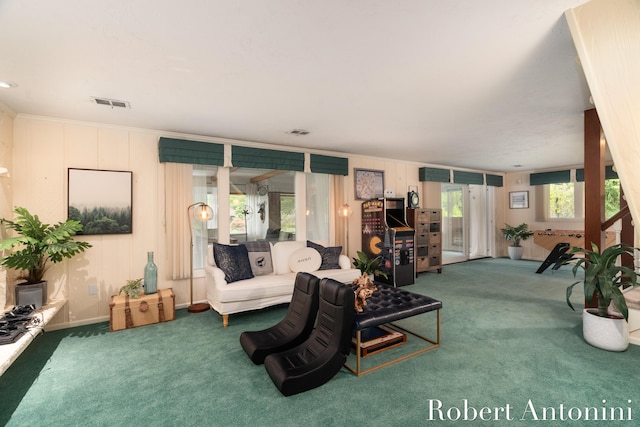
{"type": "Point", "coordinates": [318, 207]}
{"type": "Point", "coordinates": [253, 219]}
{"type": "Point", "coordinates": [199, 227]}
{"type": "Point", "coordinates": [178, 196]}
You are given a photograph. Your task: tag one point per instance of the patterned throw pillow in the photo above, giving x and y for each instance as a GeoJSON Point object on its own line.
{"type": "Point", "coordinates": [233, 260]}
{"type": "Point", "coordinates": [259, 257]}
{"type": "Point", "coordinates": [330, 256]}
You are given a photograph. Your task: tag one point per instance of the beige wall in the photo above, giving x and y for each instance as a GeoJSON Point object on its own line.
{"type": "Point", "coordinates": [6, 189]}
{"type": "Point", "coordinates": [43, 149]}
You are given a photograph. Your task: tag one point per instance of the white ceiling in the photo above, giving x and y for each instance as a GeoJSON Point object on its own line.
{"type": "Point", "coordinates": [480, 84]}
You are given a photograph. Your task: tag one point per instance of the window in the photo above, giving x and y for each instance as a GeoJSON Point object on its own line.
{"type": "Point", "coordinates": [262, 205]}
{"type": "Point", "coordinates": [204, 190]}
{"type": "Point", "coordinates": [561, 201]}
{"type": "Point", "coordinates": [565, 201]}
{"type": "Point", "coordinates": [611, 197]}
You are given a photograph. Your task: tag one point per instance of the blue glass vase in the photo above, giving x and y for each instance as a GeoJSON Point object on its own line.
{"type": "Point", "coordinates": [150, 275]}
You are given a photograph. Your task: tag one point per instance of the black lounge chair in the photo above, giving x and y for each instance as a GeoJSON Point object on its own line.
{"type": "Point", "coordinates": [322, 355]}
{"type": "Point", "coordinates": [294, 329]}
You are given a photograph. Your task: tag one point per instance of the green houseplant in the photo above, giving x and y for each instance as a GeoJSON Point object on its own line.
{"type": "Point", "coordinates": [368, 266]}
{"type": "Point", "coordinates": [517, 234]}
{"type": "Point", "coordinates": [37, 244]}
{"type": "Point", "coordinates": [603, 280]}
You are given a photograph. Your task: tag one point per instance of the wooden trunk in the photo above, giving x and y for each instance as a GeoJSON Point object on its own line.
{"type": "Point", "coordinates": [129, 312]}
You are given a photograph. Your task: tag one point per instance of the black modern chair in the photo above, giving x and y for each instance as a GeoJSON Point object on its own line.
{"type": "Point", "coordinates": [294, 329]}
{"type": "Point", "coordinates": [322, 355]}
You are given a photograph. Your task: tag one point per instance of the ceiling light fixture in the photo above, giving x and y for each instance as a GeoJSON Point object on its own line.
{"type": "Point", "coordinates": [111, 102]}
{"type": "Point", "coordinates": [7, 85]}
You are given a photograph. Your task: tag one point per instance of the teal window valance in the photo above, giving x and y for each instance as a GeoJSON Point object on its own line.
{"type": "Point", "coordinates": [494, 180]}
{"type": "Point", "coordinates": [555, 177]}
{"type": "Point", "coordinates": [259, 158]}
{"type": "Point", "coordinates": [461, 177]}
{"type": "Point", "coordinates": [329, 164]}
{"type": "Point", "coordinates": [609, 173]}
{"type": "Point", "coordinates": [434, 175]}
{"type": "Point", "coordinates": [192, 152]}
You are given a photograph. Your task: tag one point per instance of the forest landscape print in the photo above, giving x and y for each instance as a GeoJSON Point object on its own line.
{"type": "Point", "coordinates": [101, 200]}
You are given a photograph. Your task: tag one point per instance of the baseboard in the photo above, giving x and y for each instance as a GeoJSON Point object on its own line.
{"type": "Point", "coordinates": [94, 320]}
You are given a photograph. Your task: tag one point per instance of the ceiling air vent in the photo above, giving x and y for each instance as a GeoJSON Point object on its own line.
{"type": "Point", "coordinates": [298, 132]}
{"type": "Point", "coordinates": [113, 103]}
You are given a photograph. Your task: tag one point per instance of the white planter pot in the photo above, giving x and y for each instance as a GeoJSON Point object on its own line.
{"type": "Point", "coordinates": [607, 333]}
{"type": "Point", "coordinates": [515, 252]}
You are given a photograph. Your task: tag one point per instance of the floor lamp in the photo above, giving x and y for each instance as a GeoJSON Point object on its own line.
{"type": "Point", "coordinates": [345, 212]}
{"type": "Point", "coordinates": [201, 212]}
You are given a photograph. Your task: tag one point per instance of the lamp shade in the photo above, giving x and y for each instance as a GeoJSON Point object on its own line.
{"type": "Point", "coordinates": [345, 211]}
{"type": "Point", "coordinates": [201, 211]}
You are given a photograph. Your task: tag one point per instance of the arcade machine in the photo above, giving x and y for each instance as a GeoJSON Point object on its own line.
{"type": "Point", "coordinates": [385, 233]}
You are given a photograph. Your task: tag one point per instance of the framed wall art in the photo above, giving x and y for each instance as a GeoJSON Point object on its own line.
{"type": "Point", "coordinates": [101, 200]}
{"type": "Point", "coordinates": [518, 200]}
{"type": "Point", "coordinates": [369, 184]}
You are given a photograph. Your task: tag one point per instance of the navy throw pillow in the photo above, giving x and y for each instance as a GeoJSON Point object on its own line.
{"type": "Point", "coordinates": [233, 260]}
{"type": "Point", "coordinates": [330, 256]}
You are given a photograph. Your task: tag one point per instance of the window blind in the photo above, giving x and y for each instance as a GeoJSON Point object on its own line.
{"type": "Point", "coordinates": [555, 177]}
{"type": "Point", "coordinates": [461, 177]}
{"type": "Point", "coordinates": [259, 158]}
{"type": "Point", "coordinates": [434, 175]}
{"type": "Point", "coordinates": [192, 152]}
{"type": "Point", "coordinates": [329, 164]}
{"type": "Point", "coordinates": [494, 180]}
{"type": "Point", "coordinates": [609, 173]}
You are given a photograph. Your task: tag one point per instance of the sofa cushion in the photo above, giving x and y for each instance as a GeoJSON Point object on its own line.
{"type": "Point", "coordinates": [234, 261]}
{"type": "Point", "coordinates": [307, 260]}
{"type": "Point", "coordinates": [282, 252]}
{"type": "Point", "coordinates": [259, 288]}
{"type": "Point", "coordinates": [330, 256]}
{"type": "Point", "coordinates": [259, 257]}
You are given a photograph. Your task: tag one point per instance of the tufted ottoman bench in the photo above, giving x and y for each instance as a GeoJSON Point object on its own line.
{"type": "Point", "coordinates": [387, 305]}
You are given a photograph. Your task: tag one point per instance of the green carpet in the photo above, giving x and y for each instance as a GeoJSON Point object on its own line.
{"type": "Point", "coordinates": [508, 341]}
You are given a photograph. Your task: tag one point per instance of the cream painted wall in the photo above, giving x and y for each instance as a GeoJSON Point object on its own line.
{"type": "Point", "coordinates": [43, 149]}
{"type": "Point", "coordinates": [6, 189]}
{"type": "Point", "coordinates": [398, 176]}
{"type": "Point", "coordinates": [520, 182]}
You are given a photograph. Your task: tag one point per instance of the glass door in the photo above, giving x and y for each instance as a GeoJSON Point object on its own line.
{"type": "Point", "coordinates": [467, 218]}
{"type": "Point", "coordinates": [453, 242]}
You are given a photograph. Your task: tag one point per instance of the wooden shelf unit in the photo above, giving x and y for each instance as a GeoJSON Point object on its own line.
{"type": "Point", "coordinates": [428, 242]}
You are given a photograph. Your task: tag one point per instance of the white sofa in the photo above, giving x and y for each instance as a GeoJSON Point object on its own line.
{"type": "Point", "coordinates": [265, 290]}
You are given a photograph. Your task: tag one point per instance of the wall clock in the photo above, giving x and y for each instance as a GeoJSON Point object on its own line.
{"type": "Point", "coordinates": [413, 199]}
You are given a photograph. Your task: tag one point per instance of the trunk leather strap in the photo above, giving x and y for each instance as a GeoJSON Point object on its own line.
{"type": "Point", "coordinates": [127, 313]}
{"type": "Point", "coordinates": [160, 307]}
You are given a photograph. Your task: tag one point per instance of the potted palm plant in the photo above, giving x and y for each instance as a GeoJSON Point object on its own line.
{"type": "Point", "coordinates": [517, 234]}
{"type": "Point", "coordinates": [368, 266]}
{"type": "Point", "coordinates": [603, 327]}
{"type": "Point", "coordinates": [36, 245]}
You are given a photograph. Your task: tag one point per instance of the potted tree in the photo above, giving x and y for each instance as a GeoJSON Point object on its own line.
{"type": "Point", "coordinates": [517, 234]}
{"type": "Point", "coordinates": [38, 244]}
{"type": "Point", "coordinates": [604, 327]}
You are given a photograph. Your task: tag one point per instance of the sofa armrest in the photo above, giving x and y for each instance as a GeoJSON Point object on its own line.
{"type": "Point", "coordinates": [214, 278]}
{"type": "Point", "coordinates": [344, 262]}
